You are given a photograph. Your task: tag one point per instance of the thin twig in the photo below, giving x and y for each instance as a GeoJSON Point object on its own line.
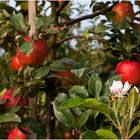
{"type": "Point", "coordinates": [69, 38]}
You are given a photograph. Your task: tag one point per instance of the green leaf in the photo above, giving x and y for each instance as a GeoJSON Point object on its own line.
{"type": "Point", "coordinates": [14, 109]}
{"type": "Point", "coordinates": [100, 28]}
{"type": "Point", "coordinates": [40, 72]}
{"type": "Point", "coordinates": [18, 21]}
{"type": "Point", "coordinates": [108, 83]}
{"type": "Point", "coordinates": [133, 98]}
{"type": "Point", "coordinates": [9, 117]}
{"type": "Point", "coordinates": [64, 116]}
{"type": "Point", "coordinates": [134, 130]}
{"type": "Point", "coordinates": [94, 85]}
{"type": "Point", "coordinates": [4, 29]}
{"type": "Point", "coordinates": [26, 47]}
{"type": "Point", "coordinates": [78, 72]}
{"type": "Point", "coordinates": [39, 22]}
{"type": "Point", "coordinates": [78, 91]}
{"type": "Point", "coordinates": [106, 134]}
{"type": "Point", "coordinates": [35, 126]}
{"type": "Point", "coordinates": [90, 103]}
{"type": "Point", "coordinates": [57, 65]}
{"type": "Point", "coordinates": [89, 135]}
{"type": "Point", "coordinates": [81, 120]}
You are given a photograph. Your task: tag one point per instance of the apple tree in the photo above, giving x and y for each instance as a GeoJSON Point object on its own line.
{"type": "Point", "coordinates": [56, 77]}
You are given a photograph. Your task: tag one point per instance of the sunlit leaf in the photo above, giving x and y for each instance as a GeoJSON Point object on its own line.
{"type": "Point", "coordinates": [106, 134]}
{"type": "Point", "coordinates": [9, 117]}
{"type": "Point", "coordinates": [90, 103]}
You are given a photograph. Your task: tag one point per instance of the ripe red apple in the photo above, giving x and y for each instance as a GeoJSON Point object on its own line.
{"type": "Point", "coordinates": [10, 101]}
{"type": "Point", "coordinates": [122, 10]}
{"type": "Point", "coordinates": [129, 71]}
{"type": "Point", "coordinates": [16, 133]}
{"type": "Point", "coordinates": [38, 54]}
{"type": "Point", "coordinates": [15, 65]}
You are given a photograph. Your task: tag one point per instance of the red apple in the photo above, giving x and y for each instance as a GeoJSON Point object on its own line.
{"type": "Point", "coordinates": [10, 101]}
{"type": "Point", "coordinates": [38, 54]}
{"type": "Point", "coordinates": [129, 71]}
{"type": "Point", "coordinates": [60, 1]}
{"type": "Point", "coordinates": [16, 133]}
{"type": "Point", "coordinates": [15, 65]}
{"type": "Point", "coordinates": [64, 73]}
{"type": "Point", "coordinates": [122, 10]}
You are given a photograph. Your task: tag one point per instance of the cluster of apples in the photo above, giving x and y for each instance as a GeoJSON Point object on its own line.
{"type": "Point", "coordinates": [20, 59]}
{"type": "Point", "coordinates": [35, 58]}
{"type": "Point", "coordinates": [9, 101]}
{"type": "Point", "coordinates": [129, 70]}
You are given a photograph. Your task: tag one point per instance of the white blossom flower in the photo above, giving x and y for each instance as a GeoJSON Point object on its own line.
{"type": "Point", "coordinates": [118, 89]}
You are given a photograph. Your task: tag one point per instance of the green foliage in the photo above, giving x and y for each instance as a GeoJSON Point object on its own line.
{"type": "Point", "coordinates": [76, 102]}
{"type": "Point", "coordinates": [18, 21]}
{"type": "Point", "coordinates": [9, 117]}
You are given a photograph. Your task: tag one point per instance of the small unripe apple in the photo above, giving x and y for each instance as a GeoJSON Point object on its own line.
{"type": "Point", "coordinates": [38, 54]}
{"type": "Point", "coordinates": [15, 65]}
{"type": "Point", "coordinates": [16, 133]}
{"type": "Point", "coordinates": [121, 11]}
{"type": "Point", "coordinates": [10, 101]}
{"type": "Point", "coordinates": [129, 71]}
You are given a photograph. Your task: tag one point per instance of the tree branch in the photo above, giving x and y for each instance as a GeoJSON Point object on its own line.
{"type": "Point", "coordinates": [81, 36]}
{"type": "Point", "coordinates": [90, 16]}
{"type": "Point", "coordinates": [64, 3]}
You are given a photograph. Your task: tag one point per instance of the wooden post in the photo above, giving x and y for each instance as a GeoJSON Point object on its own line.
{"type": "Point", "coordinates": [31, 20]}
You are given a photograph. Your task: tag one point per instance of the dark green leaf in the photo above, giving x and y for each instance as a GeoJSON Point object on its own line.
{"type": "Point", "coordinates": [78, 91]}
{"type": "Point", "coordinates": [18, 21]}
{"type": "Point", "coordinates": [9, 117]}
{"type": "Point", "coordinates": [57, 65]}
{"type": "Point", "coordinates": [40, 72]}
{"type": "Point", "coordinates": [64, 116]}
{"type": "Point", "coordinates": [4, 29]}
{"type": "Point", "coordinates": [81, 120]}
{"type": "Point", "coordinates": [35, 126]}
{"type": "Point", "coordinates": [95, 85]}
{"type": "Point", "coordinates": [14, 109]}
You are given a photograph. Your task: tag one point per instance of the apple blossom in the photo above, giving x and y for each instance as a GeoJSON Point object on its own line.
{"type": "Point", "coordinates": [118, 89]}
